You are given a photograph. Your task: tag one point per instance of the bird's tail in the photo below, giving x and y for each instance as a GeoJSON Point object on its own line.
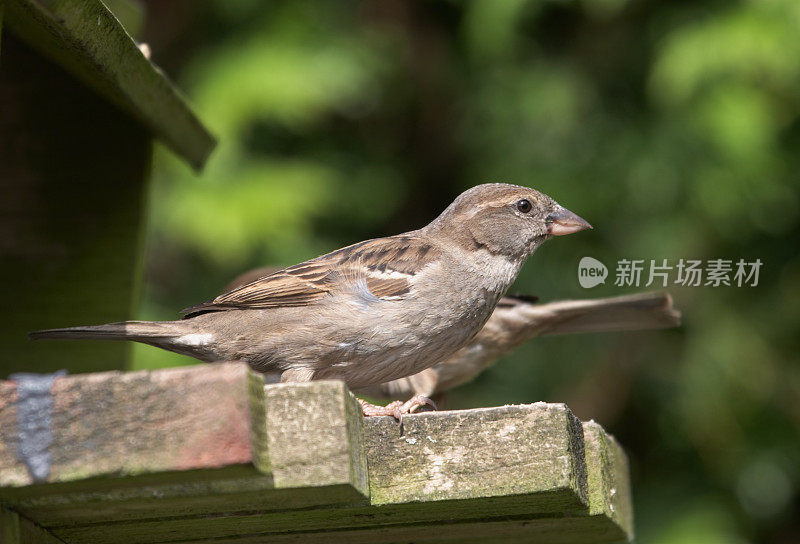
{"type": "Point", "coordinates": [140, 331]}
{"type": "Point", "coordinates": [623, 313]}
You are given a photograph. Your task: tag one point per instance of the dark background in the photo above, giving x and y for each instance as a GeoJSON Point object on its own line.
{"type": "Point", "coordinates": [671, 126]}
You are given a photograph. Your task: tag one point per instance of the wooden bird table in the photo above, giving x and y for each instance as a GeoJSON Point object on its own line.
{"type": "Point", "coordinates": [209, 454]}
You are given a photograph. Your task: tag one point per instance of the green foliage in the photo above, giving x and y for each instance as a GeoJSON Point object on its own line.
{"type": "Point", "coordinates": [672, 127]}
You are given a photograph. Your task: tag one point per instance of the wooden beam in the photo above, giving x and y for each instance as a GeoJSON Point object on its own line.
{"type": "Point", "coordinates": [209, 452]}
{"type": "Point", "coordinates": [15, 529]}
{"type": "Point", "coordinates": [87, 40]}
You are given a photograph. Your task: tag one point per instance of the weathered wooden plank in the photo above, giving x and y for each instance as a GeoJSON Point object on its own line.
{"type": "Point", "coordinates": [125, 424]}
{"type": "Point", "coordinates": [564, 530]}
{"type": "Point", "coordinates": [182, 442]}
{"type": "Point", "coordinates": [88, 41]}
{"type": "Point", "coordinates": [533, 511]}
{"type": "Point", "coordinates": [318, 472]}
{"type": "Point", "coordinates": [197, 507]}
{"type": "Point", "coordinates": [11, 468]}
{"type": "Point", "coordinates": [511, 450]}
{"type": "Point", "coordinates": [487, 464]}
{"type": "Point", "coordinates": [568, 530]}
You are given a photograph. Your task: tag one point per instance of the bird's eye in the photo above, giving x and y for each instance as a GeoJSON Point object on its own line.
{"type": "Point", "coordinates": [524, 205]}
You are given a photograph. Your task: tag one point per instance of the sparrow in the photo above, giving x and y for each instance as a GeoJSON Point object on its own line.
{"type": "Point", "coordinates": [517, 320]}
{"type": "Point", "coordinates": [371, 312]}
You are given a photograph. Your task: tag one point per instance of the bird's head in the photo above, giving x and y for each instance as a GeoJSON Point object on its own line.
{"type": "Point", "coordinates": [505, 219]}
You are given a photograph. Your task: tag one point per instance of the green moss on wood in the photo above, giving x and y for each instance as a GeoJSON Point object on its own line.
{"type": "Point", "coordinates": [608, 482]}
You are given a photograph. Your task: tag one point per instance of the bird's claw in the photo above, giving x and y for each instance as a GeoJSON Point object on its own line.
{"type": "Point", "coordinates": [396, 409]}
{"type": "Point", "coordinates": [411, 405]}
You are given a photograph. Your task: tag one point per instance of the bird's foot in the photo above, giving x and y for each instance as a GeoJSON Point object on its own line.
{"type": "Point", "coordinates": [370, 409]}
{"type": "Point", "coordinates": [396, 409]}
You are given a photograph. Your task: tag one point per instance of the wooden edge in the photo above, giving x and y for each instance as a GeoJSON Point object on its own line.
{"type": "Point", "coordinates": [130, 13]}
{"type": "Point", "coordinates": [257, 407]}
{"type": "Point", "coordinates": [165, 485]}
{"type": "Point", "coordinates": [359, 466]}
{"type": "Point", "coordinates": [87, 40]}
{"type": "Point", "coordinates": [410, 523]}
{"type": "Point", "coordinates": [15, 529]}
{"type": "Point", "coordinates": [609, 486]}
{"type": "Point", "coordinates": [563, 530]}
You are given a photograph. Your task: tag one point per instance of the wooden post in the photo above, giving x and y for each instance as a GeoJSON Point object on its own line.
{"type": "Point", "coordinates": [209, 452]}
{"type": "Point", "coordinates": [80, 106]}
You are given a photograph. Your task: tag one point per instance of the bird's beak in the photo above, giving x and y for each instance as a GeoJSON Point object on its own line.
{"type": "Point", "coordinates": [563, 221]}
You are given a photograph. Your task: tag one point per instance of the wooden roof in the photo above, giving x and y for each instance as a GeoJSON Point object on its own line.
{"type": "Point", "coordinates": [87, 40]}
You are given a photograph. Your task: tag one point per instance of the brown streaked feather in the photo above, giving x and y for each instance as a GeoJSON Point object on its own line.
{"type": "Point", "coordinates": [386, 288]}
{"type": "Point", "coordinates": [386, 264]}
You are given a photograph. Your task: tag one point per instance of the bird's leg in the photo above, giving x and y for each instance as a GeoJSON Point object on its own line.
{"type": "Point", "coordinates": [396, 409]}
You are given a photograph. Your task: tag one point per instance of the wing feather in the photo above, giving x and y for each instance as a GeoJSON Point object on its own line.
{"type": "Point", "coordinates": [387, 265]}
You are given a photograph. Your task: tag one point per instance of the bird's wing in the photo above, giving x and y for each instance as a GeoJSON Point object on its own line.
{"type": "Point", "coordinates": [510, 301]}
{"type": "Point", "coordinates": [385, 265]}
{"type": "Point", "coordinates": [641, 311]}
